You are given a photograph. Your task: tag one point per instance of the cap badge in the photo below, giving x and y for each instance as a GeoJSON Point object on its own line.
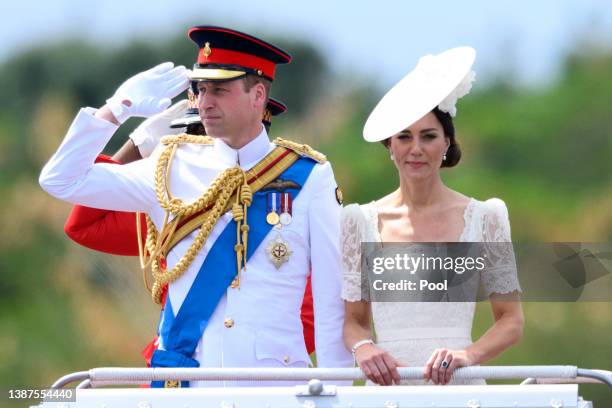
{"type": "Point", "coordinates": [207, 51]}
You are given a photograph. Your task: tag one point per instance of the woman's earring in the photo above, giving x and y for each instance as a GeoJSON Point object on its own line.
{"type": "Point", "coordinates": [444, 157]}
{"type": "Point", "coordinates": [392, 157]}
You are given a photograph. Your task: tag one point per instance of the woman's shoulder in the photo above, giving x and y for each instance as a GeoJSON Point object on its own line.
{"type": "Point", "coordinates": [491, 217]}
{"type": "Point", "coordinates": [492, 207]}
{"type": "Point", "coordinates": [361, 219]}
{"type": "Point", "coordinates": [488, 221]}
{"type": "Point", "coordinates": [357, 211]}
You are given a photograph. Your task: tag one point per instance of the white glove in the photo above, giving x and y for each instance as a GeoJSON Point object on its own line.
{"type": "Point", "coordinates": [148, 92]}
{"type": "Point", "coordinates": [146, 136]}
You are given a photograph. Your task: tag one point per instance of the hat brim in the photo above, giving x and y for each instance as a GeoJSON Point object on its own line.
{"type": "Point", "coordinates": [185, 121]}
{"type": "Point", "coordinates": [214, 74]}
{"type": "Point", "coordinates": [424, 88]}
{"type": "Point", "coordinates": [275, 106]}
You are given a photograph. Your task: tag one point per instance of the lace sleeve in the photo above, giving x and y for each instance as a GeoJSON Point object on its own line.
{"type": "Point", "coordinates": [351, 235]}
{"type": "Point", "coordinates": [501, 274]}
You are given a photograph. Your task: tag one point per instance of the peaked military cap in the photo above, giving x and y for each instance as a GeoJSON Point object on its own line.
{"type": "Point", "coordinates": [226, 54]}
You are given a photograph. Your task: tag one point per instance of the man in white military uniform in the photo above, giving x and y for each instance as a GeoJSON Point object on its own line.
{"type": "Point", "coordinates": [234, 279]}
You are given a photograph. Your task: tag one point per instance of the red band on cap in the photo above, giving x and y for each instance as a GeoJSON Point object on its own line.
{"type": "Point", "coordinates": [227, 57]}
{"type": "Point", "coordinates": [244, 36]}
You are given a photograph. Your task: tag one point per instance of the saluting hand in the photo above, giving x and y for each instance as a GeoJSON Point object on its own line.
{"type": "Point", "coordinates": [377, 365]}
{"type": "Point", "coordinates": [148, 92]}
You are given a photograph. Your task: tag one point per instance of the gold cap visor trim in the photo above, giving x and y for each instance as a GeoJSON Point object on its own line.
{"type": "Point", "coordinates": [214, 74]}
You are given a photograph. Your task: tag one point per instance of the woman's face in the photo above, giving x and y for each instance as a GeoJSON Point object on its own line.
{"type": "Point", "coordinates": [418, 150]}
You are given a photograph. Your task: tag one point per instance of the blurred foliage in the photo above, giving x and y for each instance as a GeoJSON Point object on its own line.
{"type": "Point", "coordinates": [546, 152]}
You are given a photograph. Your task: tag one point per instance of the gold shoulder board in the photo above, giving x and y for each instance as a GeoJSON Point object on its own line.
{"type": "Point", "coordinates": [301, 149]}
{"type": "Point", "coordinates": [187, 138]}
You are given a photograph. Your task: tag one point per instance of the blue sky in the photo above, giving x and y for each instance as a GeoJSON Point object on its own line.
{"type": "Point", "coordinates": [379, 40]}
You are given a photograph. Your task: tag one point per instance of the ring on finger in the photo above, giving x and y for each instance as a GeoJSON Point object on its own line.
{"type": "Point", "coordinates": [444, 364]}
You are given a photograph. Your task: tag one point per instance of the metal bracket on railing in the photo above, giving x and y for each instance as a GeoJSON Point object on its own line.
{"type": "Point", "coordinates": [601, 375]}
{"type": "Point", "coordinates": [583, 376]}
{"type": "Point", "coordinates": [315, 388]}
{"type": "Point", "coordinates": [69, 378]}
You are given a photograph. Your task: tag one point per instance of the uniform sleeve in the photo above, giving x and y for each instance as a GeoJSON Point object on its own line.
{"type": "Point", "coordinates": [113, 232]}
{"type": "Point", "coordinates": [326, 276]}
{"type": "Point", "coordinates": [351, 236]}
{"type": "Point", "coordinates": [500, 276]}
{"type": "Point", "coordinates": [72, 176]}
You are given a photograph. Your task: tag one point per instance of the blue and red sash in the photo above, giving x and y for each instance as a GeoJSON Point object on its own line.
{"type": "Point", "coordinates": [181, 333]}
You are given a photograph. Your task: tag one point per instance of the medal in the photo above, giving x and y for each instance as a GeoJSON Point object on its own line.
{"type": "Point", "coordinates": [285, 217]}
{"type": "Point", "coordinates": [272, 217]}
{"type": "Point", "coordinates": [279, 251]}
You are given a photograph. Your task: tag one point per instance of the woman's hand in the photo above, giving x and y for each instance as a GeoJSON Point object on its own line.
{"type": "Point", "coordinates": [377, 365]}
{"type": "Point", "coordinates": [443, 362]}
{"type": "Point", "coordinates": [147, 135]}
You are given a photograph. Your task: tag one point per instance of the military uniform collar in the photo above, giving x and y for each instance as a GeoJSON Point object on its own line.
{"type": "Point", "coordinates": [248, 155]}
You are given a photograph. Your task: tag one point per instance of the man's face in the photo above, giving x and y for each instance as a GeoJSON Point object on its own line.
{"type": "Point", "coordinates": [226, 108]}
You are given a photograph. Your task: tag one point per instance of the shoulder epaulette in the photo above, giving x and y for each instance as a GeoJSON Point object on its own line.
{"type": "Point", "coordinates": [187, 138]}
{"type": "Point", "coordinates": [301, 149]}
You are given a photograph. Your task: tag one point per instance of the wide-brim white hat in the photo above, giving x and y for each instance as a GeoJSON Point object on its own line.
{"type": "Point", "coordinates": [433, 79]}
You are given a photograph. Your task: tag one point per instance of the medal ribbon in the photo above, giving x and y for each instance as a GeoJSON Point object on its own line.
{"type": "Point", "coordinates": [286, 203]}
{"type": "Point", "coordinates": [272, 202]}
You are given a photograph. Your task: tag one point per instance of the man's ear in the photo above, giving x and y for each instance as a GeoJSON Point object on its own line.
{"type": "Point", "coordinates": [259, 94]}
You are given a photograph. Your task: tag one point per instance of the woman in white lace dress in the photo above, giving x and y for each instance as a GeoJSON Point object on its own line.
{"type": "Point", "coordinates": [414, 121]}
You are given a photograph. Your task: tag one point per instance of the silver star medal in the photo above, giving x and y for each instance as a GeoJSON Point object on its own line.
{"type": "Point", "coordinates": [279, 251]}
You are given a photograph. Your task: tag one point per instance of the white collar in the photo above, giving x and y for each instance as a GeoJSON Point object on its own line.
{"type": "Point", "coordinates": [248, 155]}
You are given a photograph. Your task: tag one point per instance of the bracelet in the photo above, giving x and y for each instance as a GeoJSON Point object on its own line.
{"type": "Point", "coordinates": [361, 343]}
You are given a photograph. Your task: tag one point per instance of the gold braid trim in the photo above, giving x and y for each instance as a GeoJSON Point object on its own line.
{"type": "Point", "coordinates": [301, 149]}
{"type": "Point", "coordinates": [258, 177]}
{"type": "Point", "coordinates": [231, 185]}
{"type": "Point", "coordinates": [218, 194]}
{"type": "Point", "coordinates": [187, 138]}
{"type": "Point", "coordinates": [160, 275]}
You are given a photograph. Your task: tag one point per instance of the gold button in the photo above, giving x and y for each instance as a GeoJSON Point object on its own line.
{"type": "Point", "coordinates": [286, 359]}
{"type": "Point", "coordinates": [229, 322]}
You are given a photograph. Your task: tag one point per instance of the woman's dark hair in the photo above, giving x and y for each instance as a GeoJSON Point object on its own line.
{"type": "Point", "coordinates": [453, 154]}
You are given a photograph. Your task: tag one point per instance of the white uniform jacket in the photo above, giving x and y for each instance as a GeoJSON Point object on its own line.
{"type": "Point", "coordinates": [264, 313]}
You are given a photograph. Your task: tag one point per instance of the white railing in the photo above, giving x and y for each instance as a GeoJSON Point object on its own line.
{"type": "Point", "coordinates": [99, 377]}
